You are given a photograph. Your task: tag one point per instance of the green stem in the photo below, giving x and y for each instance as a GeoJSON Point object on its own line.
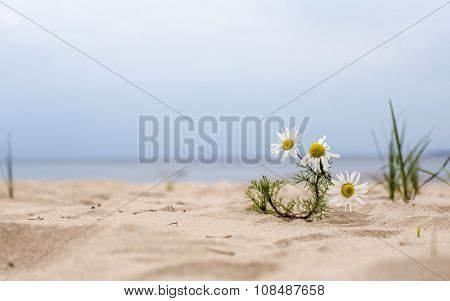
{"type": "Point", "coordinates": [285, 215]}
{"type": "Point", "coordinates": [316, 184]}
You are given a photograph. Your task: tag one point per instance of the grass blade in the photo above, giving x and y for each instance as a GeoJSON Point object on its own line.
{"type": "Point", "coordinates": [9, 181]}
{"type": "Point", "coordinates": [436, 173]}
{"type": "Point", "coordinates": [401, 163]}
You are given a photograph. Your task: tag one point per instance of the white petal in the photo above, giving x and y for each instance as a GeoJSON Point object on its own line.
{"type": "Point", "coordinates": [325, 164]}
{"type": "Point", "coordinates": [275, 145]}
{"type": "Point", "coordinates": [352, 176]}
{"type": "Point", "coordinates": [316, 164]}
{"type": "Point", "coordinates": [321, 140]}
{"type": "Point", "coordinates": [357, 178]}
{"type": "Point", "coordinates": [297, 135]}
{"type": "Point", "coordinates": [283, 157]}
{"type": "Point", "coordinates": [347, 179]}
{"type": "Point", "coordinates": [340, 178]}
{"type": "Point", "coordinates": [362, 186]}
{"type": "Point", "coordinates": [293, 131]}
{"type": "Point", "coordinates": [293, 153]}
{"type": "Point", "coordinates": [334, 155]}
{"type": "Point", "coordinates": [313, 163]}
{"type": "Point", "coordinates": [361, 190]}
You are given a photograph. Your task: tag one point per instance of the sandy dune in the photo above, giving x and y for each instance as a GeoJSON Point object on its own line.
{"type": "Point", "coordinates": [201, 231]}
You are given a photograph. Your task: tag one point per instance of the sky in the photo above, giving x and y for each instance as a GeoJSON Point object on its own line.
{"type": "Point", "coordinates": [219, 58]}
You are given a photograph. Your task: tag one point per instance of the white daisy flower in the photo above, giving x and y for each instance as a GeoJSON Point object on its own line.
{"type": "Point", "coordinates": [319, 153]}
{"type": "Point", "coordinates": [346, 190]}
{"type": "Point", "coordinates": [287, 145]}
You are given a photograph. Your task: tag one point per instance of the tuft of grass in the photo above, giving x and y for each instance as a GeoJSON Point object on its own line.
{"type": "Point", "coordinates": [9, 179]}
{"type": "Point", "coordinates": [169, 186]}
{"type": "Point", "coordinates": [401, 173]}
{"type": "Point", "coordinates": [398, 148]}
{"type": "Point", "coordinates": [418, 231]}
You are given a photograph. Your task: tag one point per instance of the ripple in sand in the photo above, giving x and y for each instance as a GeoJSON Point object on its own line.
{"type": "Point", "coordinates": [282, 243]}
{"type": "Point", "coordinates": [211, 270]}
{"type": "Point", "coordinates": [376, 233]}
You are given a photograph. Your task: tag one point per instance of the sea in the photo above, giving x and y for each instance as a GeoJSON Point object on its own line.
{"type": "Point", "coordinates": [132, 171]}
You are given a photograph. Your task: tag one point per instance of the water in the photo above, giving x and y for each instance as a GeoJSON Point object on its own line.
{"type": "Point", "coordinates": [142, 173]}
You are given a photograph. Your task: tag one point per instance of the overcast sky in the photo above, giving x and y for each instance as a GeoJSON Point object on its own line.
{"type": "Point", "coordinates": [219, 58]}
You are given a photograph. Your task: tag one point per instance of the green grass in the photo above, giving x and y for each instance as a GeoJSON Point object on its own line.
{"type": "Point", "coordinates": [9, 178]}
{"type": "Point", "coordinates": [401, 173]}
{"type": "Point", "coordinates": [169, 186]}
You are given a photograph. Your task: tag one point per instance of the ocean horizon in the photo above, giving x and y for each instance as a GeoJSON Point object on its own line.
{"type": "Point", "coordinates": [132, 171]}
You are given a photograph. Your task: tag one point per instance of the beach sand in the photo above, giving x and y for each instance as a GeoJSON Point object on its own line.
{"type": "Point", "coordinates": [71, 230]}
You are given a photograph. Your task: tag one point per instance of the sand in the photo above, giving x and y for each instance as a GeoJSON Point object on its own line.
{"type": "Point", "coordinates": [204, 231]}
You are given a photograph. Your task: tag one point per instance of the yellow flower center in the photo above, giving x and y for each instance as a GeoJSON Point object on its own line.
{"type": "Point", "coordinates": [316, 150]}
{"type": "Point", "coordinates": [347, 190]}
{"type": "Point", "coordinates": [287, 144]}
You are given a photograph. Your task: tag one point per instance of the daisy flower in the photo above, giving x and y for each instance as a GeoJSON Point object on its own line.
{"type": "Point", "coordinates": [287, 144]}
{"type": "Point", "coordinates": [319, 154]}
{"type": "Point", "coordinates": [346, 190]}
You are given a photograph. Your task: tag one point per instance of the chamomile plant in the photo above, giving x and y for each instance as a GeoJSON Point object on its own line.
{"type": "Point", "coordinates": [346, 189]}
{"type": "Point", "coordinates": [314, 173]}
